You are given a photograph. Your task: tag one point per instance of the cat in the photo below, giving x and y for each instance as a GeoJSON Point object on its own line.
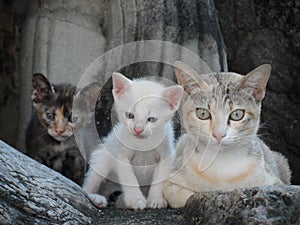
{"type": "Point", "coordinates": [139, 149]}
{"type": "Point", "coordinates": [221, 149]}
{"type": "Point", "coordinates": [50, 132]}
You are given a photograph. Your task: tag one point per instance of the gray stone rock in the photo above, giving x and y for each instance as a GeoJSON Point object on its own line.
{"type": "Point", "coordinates": [260, 205]}
{"type": "Point", "coordinates": [31, 193]}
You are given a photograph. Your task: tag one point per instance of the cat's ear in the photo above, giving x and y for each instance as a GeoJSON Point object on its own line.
{"type": "Point", "coordinates": [89, 94]}
{"type": "Point", "coordinates": [120, 84]}
{"type": "Point", "coordinates": [188, 78]}
{"type": "Point", "coordinates": [173, 96]}
{"type": "Point", "coordinates": [42, 89]}
{"type": "Point", "coordinates": [257, 81]}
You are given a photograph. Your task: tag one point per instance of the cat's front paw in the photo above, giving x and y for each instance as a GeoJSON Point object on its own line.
{"type": "Point", "coordinates": [135, 202]}
{"type": "Point", "coordinates": [156, 202]}
{"type": "Point", "coordinates": [98, 200]}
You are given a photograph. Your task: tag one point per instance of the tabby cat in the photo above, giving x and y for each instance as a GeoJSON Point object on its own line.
{"type": "Point", "coordinates": [221, 149]}
{"type": "Point", "coordinates": [50, 133]}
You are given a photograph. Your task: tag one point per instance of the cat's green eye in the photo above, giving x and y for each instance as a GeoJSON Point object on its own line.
{"type": "Point", "coordinates": [202, 114]}
{"type": "Point", "coordinates": [152, 119]}
{"type": "Point", "coordinates": [237, 115]}
{"type": "Point", "coordinates": [50, 116]}
{"type": "Point", "coordinates": [129, 115]}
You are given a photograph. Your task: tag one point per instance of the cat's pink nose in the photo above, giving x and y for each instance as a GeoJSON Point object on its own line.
{"type": "Point", "coordinates": [138, 130]}
{"type": "Point", "coordinates": [59, 130]}
{"type": "Point", "coordinates": [219, 136]}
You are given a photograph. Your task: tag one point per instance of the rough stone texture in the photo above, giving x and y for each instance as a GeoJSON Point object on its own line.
{"type": "Point", "coordinates": [110, 216]}
{"type": "Point", "coordinates": [266, 205]}
{"type": "Point", "coordinates": [11, 17]}
{"type": "Point", "coordinates": [31, 193]}
{"type": "Point", "coordinates": [257, 32]}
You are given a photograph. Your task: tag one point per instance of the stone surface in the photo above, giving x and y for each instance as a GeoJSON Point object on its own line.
{"type": "Point", "coordinates": [11, 18]}
{"type": "Point", "coordinates": [264, 205]}
{"type": "Point", "coordinates": [257, 32]}
{"type": "Point", "coordinates": [31, 193]}
{"type": "Point", "coordinates": [148, 216]}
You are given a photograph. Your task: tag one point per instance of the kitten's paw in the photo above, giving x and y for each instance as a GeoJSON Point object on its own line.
{"type": "Point", "coordinates": [156, 203]}
{"type": "Point", "coordinates": [98, 200]}
{"type": "Point", "coordinates": [135, 202]}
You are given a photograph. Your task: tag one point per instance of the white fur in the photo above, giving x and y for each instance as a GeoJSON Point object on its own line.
{"type": "Point", "coordinates": [137, 159]}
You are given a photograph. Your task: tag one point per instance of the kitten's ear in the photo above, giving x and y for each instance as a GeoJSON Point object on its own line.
{"type": "Point", "coordinates": [120, 84]}
{"type": "Point", "coordinates": [188, 78]}
{"type": "Point", "coordinates": [257, 81]}
{"type": "Point", "coordinates": [173, 96]}
{"type": "Point", "coordinates": [42, 89]}
{"type": "Point", "coordinates": [89, 94]}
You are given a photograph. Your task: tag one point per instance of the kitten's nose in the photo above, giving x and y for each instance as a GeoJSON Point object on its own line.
{"type": "Point", "coordinates": [138, 130]}
{"type": "Point", "coordinates": [219, 136]}
{"type": "Point", "coordinates": [60, 130]}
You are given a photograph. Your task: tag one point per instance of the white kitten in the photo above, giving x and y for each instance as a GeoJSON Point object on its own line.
{"type": "Point", "coordinates": [139, 149]}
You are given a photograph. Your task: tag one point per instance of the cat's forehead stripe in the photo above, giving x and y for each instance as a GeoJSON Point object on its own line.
{"type": "Point", "coordinates": [60, 113]}
{"type": "Point", "coordinates": [230, 105]}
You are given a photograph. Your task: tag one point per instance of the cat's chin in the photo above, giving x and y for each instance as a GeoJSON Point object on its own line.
{"type": "Point", "coordinates": [215, 143]}
{"type": "Point", "coordinates": [141, 136]}
{"type": "Point", "coordinates": [60, 138]}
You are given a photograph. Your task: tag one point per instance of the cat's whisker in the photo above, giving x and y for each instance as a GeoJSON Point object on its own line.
{"type": "Point", "coordinates": [264, 137]}
{"type": "Point", "coordinates": [42, 135]}
{"type": "Point", "coordinates": [264, 124]}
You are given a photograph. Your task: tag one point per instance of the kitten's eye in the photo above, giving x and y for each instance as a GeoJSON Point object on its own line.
{"type": "Point", "coordinates": [152, 119]}
{"type": "Point", "coordinates": [129, 115]}
{"type": "Point", "coordinates": [50, 116]}
{"type": "Point", "coordinates": [74, 119]}
{"type": "Point", "coordinates": [203, 114]}
{"type": "Point", "coordinates": [237, 115]}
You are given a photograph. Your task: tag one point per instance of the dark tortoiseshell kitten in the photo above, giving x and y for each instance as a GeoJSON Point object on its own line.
{"type": "Point", "coordinates": [50, 133]}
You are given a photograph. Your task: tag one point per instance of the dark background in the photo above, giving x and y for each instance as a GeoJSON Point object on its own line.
{"type": "Point", "coordinates": [254, 32]}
